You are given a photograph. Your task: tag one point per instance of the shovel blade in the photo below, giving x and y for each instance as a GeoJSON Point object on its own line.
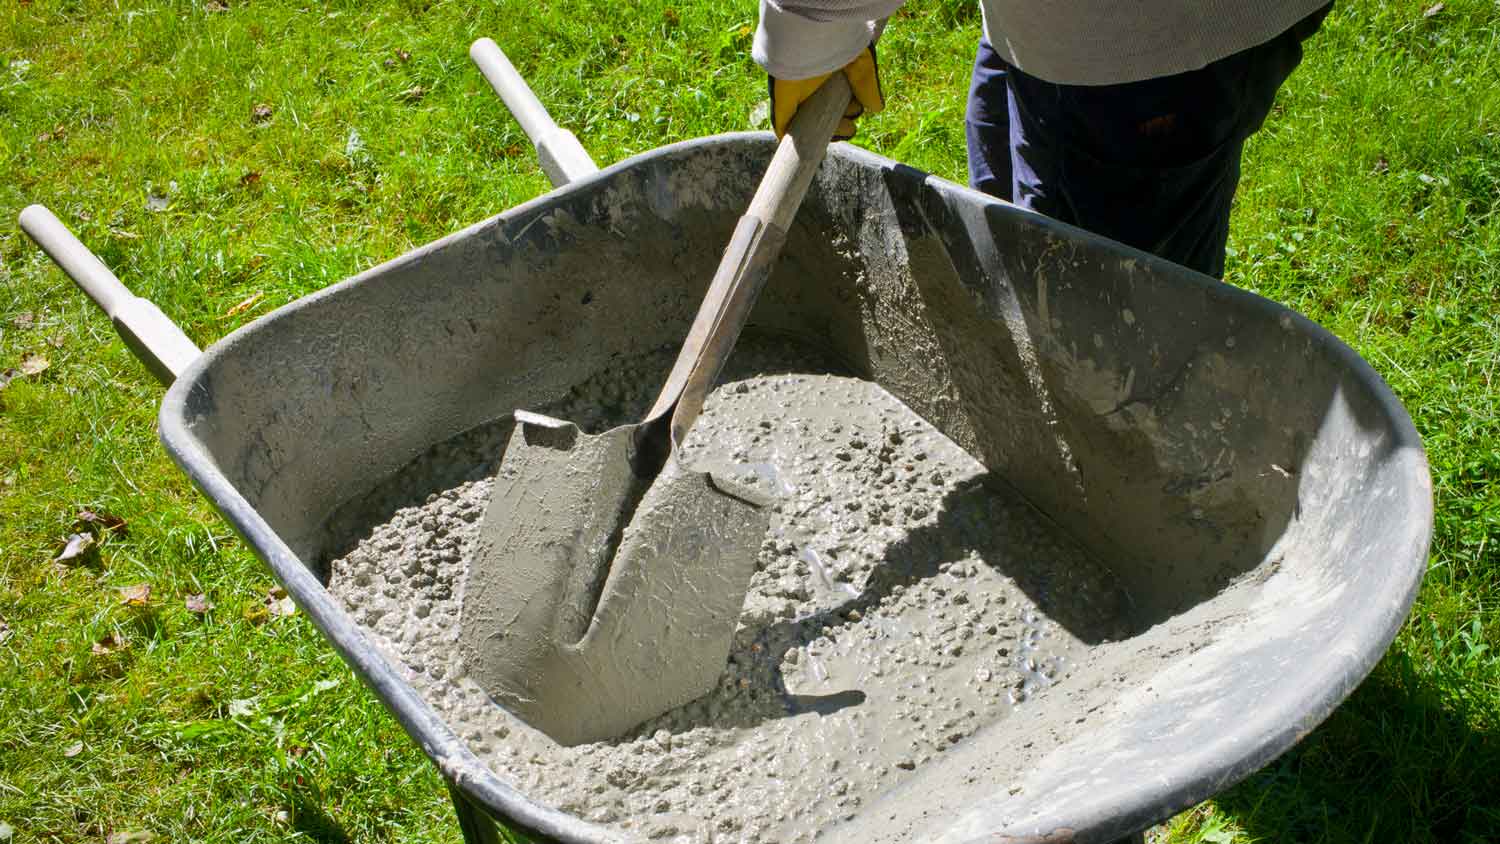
{"type": "Point", "coordinates": [542, 552]}
{"type": "Point", "coordinates": [585, 648]}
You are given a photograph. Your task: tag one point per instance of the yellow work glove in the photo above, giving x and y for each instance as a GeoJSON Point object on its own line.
{"type": "Point", "coordinates": [787, 95]}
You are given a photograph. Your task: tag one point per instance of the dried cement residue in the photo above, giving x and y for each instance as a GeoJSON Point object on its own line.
{"type": "Point", "coordinates": [900, 607]}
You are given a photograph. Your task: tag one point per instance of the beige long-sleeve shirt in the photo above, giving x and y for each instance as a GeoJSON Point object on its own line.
{"type": "Point", "coordinates": [1071, 42]}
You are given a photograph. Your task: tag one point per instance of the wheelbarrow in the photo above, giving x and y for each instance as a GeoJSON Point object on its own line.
{"type": "Point", "coordinates": [1251, 481]}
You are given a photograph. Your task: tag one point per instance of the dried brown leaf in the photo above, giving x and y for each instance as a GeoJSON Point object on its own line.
{"type": "Point", "coordinates": [277, 603]}
{"type": "Point", "coordinates": [250, 179]}
{"type": "Point", "coordinates": [100, 522]}
{"type": "Point", "coordinates": [261, 114]}
{"type": "Point", "coordinates": [23, 320]}
{"type": "Point", "coordinates": [215, 6]}
{"type": "Point", "coordinates": [199, 603]}
{"type": "Point", "coordinates": [245, 305]}
{"type": "Point", "coordinates": [107, 645]}
{"type": "Point", "coordinates": [138, 595]}
{"type": "Point", "coordinates": [76, 547]}
{"type": "Point", "coordinates": [33, 364]}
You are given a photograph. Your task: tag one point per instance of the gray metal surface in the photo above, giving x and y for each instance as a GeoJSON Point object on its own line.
{"type": "Point", "coordinates": [1251, 480]}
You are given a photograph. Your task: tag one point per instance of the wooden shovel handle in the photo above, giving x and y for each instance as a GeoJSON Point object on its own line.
{"type": "Point", "coordinates": [747, 260]}
{"type": "Point", "coordinates": [800, 153]}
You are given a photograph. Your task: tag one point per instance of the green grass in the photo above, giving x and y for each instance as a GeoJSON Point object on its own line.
{"type": "Point", "coordinates": [1369, 203]}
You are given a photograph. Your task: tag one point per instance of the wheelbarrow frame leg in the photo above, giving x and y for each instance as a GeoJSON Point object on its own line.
{"type": "Point", "coordinates": [477, 826]}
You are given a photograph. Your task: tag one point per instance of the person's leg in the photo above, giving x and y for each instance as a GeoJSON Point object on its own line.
{"type": "Point", "coordinates": [986, 126]}
{"type": "Point", "coordinates": [1153, 164]}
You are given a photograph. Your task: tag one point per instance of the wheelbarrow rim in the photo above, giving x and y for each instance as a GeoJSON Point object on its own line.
{"type": "Point", "coordinates": [470, 776]}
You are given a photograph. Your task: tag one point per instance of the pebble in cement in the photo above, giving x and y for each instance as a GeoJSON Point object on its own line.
{"type": "Point", "coordinates": [901, 605]}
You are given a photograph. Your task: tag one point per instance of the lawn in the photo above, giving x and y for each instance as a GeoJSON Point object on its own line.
{"type": "Point", "coordinates": [226, 157]}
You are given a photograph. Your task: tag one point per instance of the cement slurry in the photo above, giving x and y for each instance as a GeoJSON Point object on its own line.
{"type": "Point", "coordinates": [901, 605]}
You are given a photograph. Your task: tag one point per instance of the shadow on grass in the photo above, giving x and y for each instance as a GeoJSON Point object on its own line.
{"type": "Point", "coordinates": [1396, 762]}
{"type": "Point", "coordinates": [310, 820]}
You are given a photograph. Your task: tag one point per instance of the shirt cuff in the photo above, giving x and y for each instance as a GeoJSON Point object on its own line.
{"type": "Point", "coordinates": [790, 46]}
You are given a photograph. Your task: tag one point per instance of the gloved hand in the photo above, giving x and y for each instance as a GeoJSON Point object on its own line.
{"type": "Point", "coordinates": [787, 95]}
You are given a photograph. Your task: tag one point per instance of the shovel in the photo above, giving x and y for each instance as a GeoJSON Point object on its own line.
{"type": "Point", "coordinates": [609, 576]}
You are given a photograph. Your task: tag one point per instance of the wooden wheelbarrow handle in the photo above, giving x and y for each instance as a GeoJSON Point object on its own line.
{"type": "Point", "coordinates": [151, 335]}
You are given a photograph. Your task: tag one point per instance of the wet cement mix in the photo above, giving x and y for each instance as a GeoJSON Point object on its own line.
{"type": "Point", "coordinates": [901, 604]}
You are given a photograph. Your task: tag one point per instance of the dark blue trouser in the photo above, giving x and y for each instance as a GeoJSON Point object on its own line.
{"type": "Point", "coordinates": [1152, 164]}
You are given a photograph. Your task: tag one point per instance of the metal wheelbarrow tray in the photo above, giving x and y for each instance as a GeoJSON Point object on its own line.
{"type": "Point", "coordinates": [1252, 482]}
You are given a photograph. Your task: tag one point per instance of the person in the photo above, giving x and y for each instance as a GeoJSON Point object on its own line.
{"type": "Point", "coordinates": [1124, 118]}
